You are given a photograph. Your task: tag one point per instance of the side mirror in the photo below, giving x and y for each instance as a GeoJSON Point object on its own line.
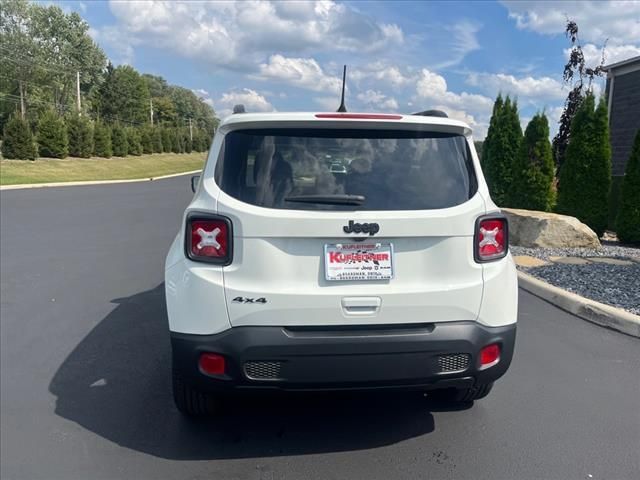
{"type": "Point", "coordinates": [194, 183]}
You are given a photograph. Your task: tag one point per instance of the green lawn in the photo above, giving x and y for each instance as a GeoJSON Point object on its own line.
{"type": "Point", "coordinates": [45, 170]}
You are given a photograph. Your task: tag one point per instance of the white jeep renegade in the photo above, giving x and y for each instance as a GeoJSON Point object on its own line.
{"type": "Point", "coordinates": [329, 251]}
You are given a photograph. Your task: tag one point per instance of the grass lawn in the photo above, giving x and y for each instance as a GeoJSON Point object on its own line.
{"type": "Point", "coordinates": [45, 170]}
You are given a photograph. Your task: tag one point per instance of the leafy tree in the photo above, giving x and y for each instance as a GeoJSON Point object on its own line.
{"type": "Point", "coordinates": [167, 140]}
{"type": "Point", "coordinates": [17, 141]}
{"type": "Point", "coordinates": [52, 136]}
{"type": "Point", "coordinates": [124, 95]}
{"type": "Point", "coordinates": [501, 153]}
{"type": "Point", "coordinates": [628, 220]}
{"type": "Point", "coordinates": [146, 137]}
{"type": "Point", "coordinates": [585, 176]}
{"type": "Point", "coordinates": [534, 169]}
{"type": "Point", "coordinates": [134, 141]}
{"type": "Point", "coordinates": [80, 136]}
{"type": "Point", "coordinates": [580, 77]}
{"type": "Point", "coordinates": [157, 140]}
{"type": "Point", "coordinates": [102, 140]}
{"type": "Point", "coordinates": [119, 141]}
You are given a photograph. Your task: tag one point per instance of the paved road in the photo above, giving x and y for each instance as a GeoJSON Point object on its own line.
{"type": "Point", "coordinates": [85, 375]}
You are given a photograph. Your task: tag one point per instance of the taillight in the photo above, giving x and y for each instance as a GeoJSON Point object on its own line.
{"type": "Point", "coordinates": [208, 238]}
{"type": "Point", "coordinates": [211, 364]}
{"type": "Point", "coordinates": [489, 355]}
{"type": "Point", "coordinates": [491, 239]}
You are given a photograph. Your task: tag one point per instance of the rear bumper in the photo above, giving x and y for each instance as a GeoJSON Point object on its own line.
{"type": "Point", "coordinates": [369, 357]}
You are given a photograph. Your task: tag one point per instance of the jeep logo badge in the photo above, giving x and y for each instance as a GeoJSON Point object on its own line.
{"type": "Point", "coordinates": [370, 228]}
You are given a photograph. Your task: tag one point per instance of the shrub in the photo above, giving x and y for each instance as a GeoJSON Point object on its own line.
{"type": "Point", "coordinates": [157, 140]}
{"type": "Point", "coordinates": [119, 141]}
{"type": "Point", "coordinates": [146, 138]}
{"type": "Point", "coordinates": [102, 140]}
{"type": "Point", "coordinates": [167, 140]}
{"type": "Point", "coordinates": [134, 141]}
{"type": "Point", "coordinates": [177, 144]}
{"type": "Point", "coordinates": [188, 143]}
{"type": "Point", "coordinates": [80, 136]}
{"type": "Point", "coordinates": [628, 220]}
{"type": "Point", "coordinates": [534, 168]}
{"type": "Point", "coordinates": [17, 140]}
{"type": "Point", "coordinates": [585, 176]}
{"type": "Point", "coordinates": [501, 154]}
{"type": "Point", "coordinates": [52, 135]}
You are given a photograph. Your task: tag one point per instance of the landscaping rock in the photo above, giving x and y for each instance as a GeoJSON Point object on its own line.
{"type": "Point", "coordinates": [570, 260]}
{"type": "Point", "coordinates": [610, 261]}
{"type": "Point", "coordinates": [527, 261]}
{"type": "Point", "coordinates": [529, 228]}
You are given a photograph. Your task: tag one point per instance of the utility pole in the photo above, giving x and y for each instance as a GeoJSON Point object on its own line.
{"type": "Point", "coordinates": [21, 99]}
{"type": "Point", "coordinates": [78, 104]}
{"type": "Point", "coordinates": [151, 110]}
{"type": "Point", "coordinates": [190, 130]}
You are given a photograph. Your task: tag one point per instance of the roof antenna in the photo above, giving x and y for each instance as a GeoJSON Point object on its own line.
{"type": "Point", "coordinates": [342, 108]}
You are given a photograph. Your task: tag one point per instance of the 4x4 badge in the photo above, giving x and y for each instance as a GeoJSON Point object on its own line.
{"type": "Point", "coordinates": [370, 228]}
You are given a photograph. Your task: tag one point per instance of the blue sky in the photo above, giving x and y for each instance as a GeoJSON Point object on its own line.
{"type": "Point", "coordinates": [401, 56]}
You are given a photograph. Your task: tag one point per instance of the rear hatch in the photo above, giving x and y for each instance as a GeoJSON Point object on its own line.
{"type": "Point", "coordinates": [361, 224]}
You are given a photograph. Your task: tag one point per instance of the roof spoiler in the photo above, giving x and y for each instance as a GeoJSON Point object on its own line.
{"type": "Point", "coordinates": [432, 113]}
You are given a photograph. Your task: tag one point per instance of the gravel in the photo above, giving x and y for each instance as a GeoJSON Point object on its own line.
{"type": "Point", "coordinates": [616, 285]}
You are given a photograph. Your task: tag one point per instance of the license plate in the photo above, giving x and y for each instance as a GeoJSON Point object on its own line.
{"type": "Point", "coordinates": [358, 261]}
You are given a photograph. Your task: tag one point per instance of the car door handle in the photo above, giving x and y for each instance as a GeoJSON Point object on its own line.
{"type": "Point", "coordinates": [361, 305]}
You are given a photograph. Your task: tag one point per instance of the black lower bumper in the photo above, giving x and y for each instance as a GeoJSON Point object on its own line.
{"type": "Point", "coordinates": [434, 355]}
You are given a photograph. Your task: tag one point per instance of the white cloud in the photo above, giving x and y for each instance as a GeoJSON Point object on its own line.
{"type": "Point", "coordinates": [298, 72]}
{"type": "Point", "coordinates": [463, 41]}
{"type": "Point", "coordinates": [612, 53]}
{"type": "Point", "coordinates": [382, 74]}
{"type": "Point", "coordinates": [377, 100]}
{"type": "Point", "coordinates": [119, 42]}
{"type": "Point", "coordinates": [541, 88]}
{"type": "Point", "coordinates": [597, 20]}
{"type": "Point", "coordinates": [204, 95]}
{"type": "Point", "coordinates": [252, 101]}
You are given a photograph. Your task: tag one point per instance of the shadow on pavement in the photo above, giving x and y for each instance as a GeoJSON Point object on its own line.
{"type": "Point", "coordinates": [116, 383]}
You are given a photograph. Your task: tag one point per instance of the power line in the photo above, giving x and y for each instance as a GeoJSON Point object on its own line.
{"type": "Point", "coordinates": [59, 71]}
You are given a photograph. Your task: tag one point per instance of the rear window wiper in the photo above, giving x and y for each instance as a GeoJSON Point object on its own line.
{"type": "Point", "coordinates": [328, 199]}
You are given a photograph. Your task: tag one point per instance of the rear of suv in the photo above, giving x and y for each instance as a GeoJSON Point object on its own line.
{"type": "Point", "coordinates": [391, 271]}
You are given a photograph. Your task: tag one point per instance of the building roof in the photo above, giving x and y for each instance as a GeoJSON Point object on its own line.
{"type": "Point", "coordinates": [623, 63]}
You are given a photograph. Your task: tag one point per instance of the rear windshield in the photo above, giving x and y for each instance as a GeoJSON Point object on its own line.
{"type": "Point", "coordinates": [330, 169]}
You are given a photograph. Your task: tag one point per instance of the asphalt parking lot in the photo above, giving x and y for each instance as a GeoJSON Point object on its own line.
{"type": "Point", "coordinates": [85, 385]}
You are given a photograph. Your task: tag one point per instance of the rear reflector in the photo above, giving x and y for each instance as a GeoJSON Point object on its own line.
{"type": "Point", "coordinates": [491, 239]}
{"type": "Point", "coordinates": [211, 364]}
{"type": "Point", "coordinates": [489, 355]}
{"type": "Point", "coordinates": [360, 116]}
{"type": "Point", "coordinates": [208, 239]}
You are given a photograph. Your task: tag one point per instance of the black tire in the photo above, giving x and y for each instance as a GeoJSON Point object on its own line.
{"type": "Point", "coordinates": [190, 401]}
{"type": "Point", "coordinates": [463, 395]}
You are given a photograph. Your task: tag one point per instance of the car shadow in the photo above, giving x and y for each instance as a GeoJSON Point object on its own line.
{"type": "Point", "coordinates": [116, 383]}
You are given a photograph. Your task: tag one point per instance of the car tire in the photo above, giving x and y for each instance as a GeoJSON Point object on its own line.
{"type": "Point", "coordinates": [463, 395]}
{"type": "Point", "coordinates": [191, 401]}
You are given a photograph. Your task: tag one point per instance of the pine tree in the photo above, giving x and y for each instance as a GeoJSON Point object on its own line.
{"type": "Point", "coordinates": [534, 169]}
{"type": "Point", "coordinates": [102, 140]}
{"type": "Point", "coordinates": [119, 141]}
{"type": "Point", "coordinates": [176, 142]}
{"type": "Point", "coordinates": [157, 140]}
{"type": "Point", "coordinates": [167, 140]}
{"type": "Point", "coordinates": [134, 141]}
{"type": "Point", "coordinates": [80, 136]}
{"type": "Point", "coordinates": [585, 176]}
{"type": "Point", "coordinates": [188, 143]}
{"type": "Point", "coordinates": [497, 110]}
{"type": "Point", "coordinates": [628, 220]}
{"type": "Point", "coordinates": [52, 136]}
{"type": "Point", "coordinates": [146, 138]}
{"type": "Point", "coordinates": [502, 152]}
{"type": "Point", "coordinates": [17, 140]}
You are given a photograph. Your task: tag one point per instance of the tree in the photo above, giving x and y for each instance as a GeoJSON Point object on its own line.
{"type": "Point", "coordinates": [534, 169]}
{"type": "Point", "coordinates": [177, 142]}
{"type": "Point", "coordinates": [124, 96]}
{"type": "Point", "coordinates": [167, 140]}
{"type": "Point", "coordinates": [146, 138]}
{"type": "Point", "coordinates": [186, 140]}
{"type": "Point", "coordinates": [102, 140]}
{"type": "Point", "coordinates": [585, 176]}
{"type": "Point", "coordinates": [497, 111]}
{"type": "Point", "coordinates": [157, 140]}
{"type": "Point", "coordinates": [119, 141]}
{"type": "Point", "coordinates": [80, 136]}
{"type": "Point", "coordinates": [580, 77]}
{"type": "Point", "coordinates": [17, 141]}
{"type": "Point", "coordinates": [52, 136]}
{"type": "Point", "coordinates": [501, 153]}
{"type": "Point", "coordinates": [628, 220]}
{"type": "Point", "coordinates": [134, 141]}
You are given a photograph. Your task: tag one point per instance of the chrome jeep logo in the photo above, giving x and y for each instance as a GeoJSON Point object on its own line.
{"type": "Point", "coordinates": [370, 228]}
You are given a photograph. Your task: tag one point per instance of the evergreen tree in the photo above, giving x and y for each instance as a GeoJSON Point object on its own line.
{"type": "Point", "coordinates": [102, 140]}
{"type": "Point", "coordinates": [497, 111]}
{"type": "Point", "coordinates": [134, 141]}
{"type": "Point", "coordinates": [167, 140]}
{"type": "Point", "coordinates": [534, 168]}
{"type": "Point", "coordinates": [146, 137]}
{"type": "Point", "coordinates": [502, 152]}
{"type": "Point", "coordinates": [80, 136]}
{"type": "Point", "coordinates": [119, 141]}
{"type": "Point", "coordinates": [17, 141]}
{"type": "Point", "coordinates": [628, 220]}
{"type": "Point", "coordinates": [176, 142]}
{"type": "Point", "coordinates": [585, 176]}
{"type": "Point", "coordinates": [52, 136]}
{"type": "Point", "coordinates": [188, 143]}
{"type": "Point", "coordinates": [157, 140]}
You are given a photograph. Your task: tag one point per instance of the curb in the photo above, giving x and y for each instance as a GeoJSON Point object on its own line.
{"type": "Point", "coordinates": [93, 182]}
{"type": "Point", "coordinates": [590, 310]}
